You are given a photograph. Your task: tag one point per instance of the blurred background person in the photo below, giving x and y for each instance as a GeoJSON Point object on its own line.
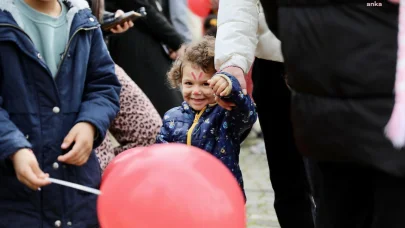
{"type": "Point", "coordinates": [147, 50]}
{"type": "Point", "coordinates": [138, 122]}
{"type": "Point", "coordinates": [176, 12]}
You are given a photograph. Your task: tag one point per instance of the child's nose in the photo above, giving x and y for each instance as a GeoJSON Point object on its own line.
{"type": "Point", "coordinates": [197, 92]}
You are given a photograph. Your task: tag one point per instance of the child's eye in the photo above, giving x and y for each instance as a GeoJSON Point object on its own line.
{"type": "Point", "coordinates": [206, 84]}
{"type": "Point", "coordinates": [188, 83]}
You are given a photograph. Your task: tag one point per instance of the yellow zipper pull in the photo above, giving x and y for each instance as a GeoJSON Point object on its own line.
{"type": "Point", "coordinates": [195, 121]}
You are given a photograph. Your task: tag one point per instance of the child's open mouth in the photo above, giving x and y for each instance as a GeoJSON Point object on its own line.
{"type": "Point", "coordinates": [197, 101]}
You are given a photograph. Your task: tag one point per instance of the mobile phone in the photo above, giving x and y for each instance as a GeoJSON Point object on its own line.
{"type": "Point", "coordinates": [111, 22]}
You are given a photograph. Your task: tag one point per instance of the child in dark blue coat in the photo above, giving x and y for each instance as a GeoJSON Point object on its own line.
{"type": "Point", "coordinates": [200, 121]}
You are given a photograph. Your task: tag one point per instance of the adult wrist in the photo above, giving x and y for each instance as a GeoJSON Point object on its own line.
{"type": "Point", "coordinates": [223, 69]}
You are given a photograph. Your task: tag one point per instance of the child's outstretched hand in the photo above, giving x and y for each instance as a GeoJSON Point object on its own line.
{"type": "Point", "coordinates": [27, 169]}
{"type": "Point", "coordinates": [82, 134]}
{"type": "Point", "coordinates": [220, 86]}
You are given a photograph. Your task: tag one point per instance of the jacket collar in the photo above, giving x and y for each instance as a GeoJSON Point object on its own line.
{"type": "Point", "coordinates": [187, 108]}
{"type": "Point", "coordinates": [78, 15]}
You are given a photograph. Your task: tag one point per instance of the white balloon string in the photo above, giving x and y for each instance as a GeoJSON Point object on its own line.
{"type": "Point", "coordinates": [75, 186]}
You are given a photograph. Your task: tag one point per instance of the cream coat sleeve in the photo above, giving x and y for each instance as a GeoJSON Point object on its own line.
{"type": "Point", "coordinates": [268, 46]}
{"type": "Point", "coordinates": [236, 39]}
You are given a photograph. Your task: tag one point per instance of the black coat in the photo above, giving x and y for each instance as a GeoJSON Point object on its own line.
{"type": "Point", "coordinates": [340, 60]}
{"type": "Point", "coordinates": [140, 53]}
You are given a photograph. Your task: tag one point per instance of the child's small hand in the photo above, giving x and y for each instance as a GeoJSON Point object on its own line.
{"type": "Point", "coordinates": [219, 85]}
{"type": "Point", "coordinates": [27, 169]}
{"type": "Point", "coordinates": [83, 136]}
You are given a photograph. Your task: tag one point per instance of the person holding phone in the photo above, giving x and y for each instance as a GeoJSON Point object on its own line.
{"type": "Point", "coordinates": [176, 12]}
{"type": "Point", "coordinates": [141, 54]}
{"type": "Point", "coordinates": [98, 9]}
{"type": "Point", "coordinates": [138, 122]}
{"type": "Point", "coordinates": [121, 22]}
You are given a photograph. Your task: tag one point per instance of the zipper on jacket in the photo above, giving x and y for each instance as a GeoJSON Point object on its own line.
{"type": "Point", "coordinates": [66, 48]}
{"type": "Point", "coordinates": [63, 55]}
{"type": "Point", "coordinates": [32, 42]}
{"type": "Point", "coordinates": [190, 131]}
{"type": "Point", "coordinates": [29, 38]}
{"type": "Point", "coordinates": [68, 45]}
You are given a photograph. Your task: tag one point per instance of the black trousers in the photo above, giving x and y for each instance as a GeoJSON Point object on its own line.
{"type": "Point", "coordinates": [287, 170]}
{"type": "Point", "coordinates": [355, 196]}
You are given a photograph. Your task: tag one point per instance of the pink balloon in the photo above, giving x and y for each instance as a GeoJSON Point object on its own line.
{"type": "Point", "coordinates": [171, 185]}
{"type": "Point", "coordinates": [120, 160]}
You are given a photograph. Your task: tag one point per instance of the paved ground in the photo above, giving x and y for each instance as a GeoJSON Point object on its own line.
{"type": "Point", "coordinates": [259, 193]}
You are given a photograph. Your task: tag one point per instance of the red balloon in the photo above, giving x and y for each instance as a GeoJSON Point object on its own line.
{"type": "Point", "coordinates": [200, 7]}
{"type": "Point", "coordinates": [171, 185]}
{"type": "Point", "coordinates": [120, 160]}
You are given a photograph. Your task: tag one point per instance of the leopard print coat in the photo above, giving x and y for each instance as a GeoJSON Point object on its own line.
{"type": "Point", "coordinates": [136, 124]}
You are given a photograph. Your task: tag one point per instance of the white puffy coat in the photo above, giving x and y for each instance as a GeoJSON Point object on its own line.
{"type": "Point", "coordinates": [243, 34]}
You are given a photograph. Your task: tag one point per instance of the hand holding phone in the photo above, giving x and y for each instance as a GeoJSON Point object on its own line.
{"type": "Point", "coordinates": [110, 21]}
{"type": "Point", "coordinates": [121, 28]}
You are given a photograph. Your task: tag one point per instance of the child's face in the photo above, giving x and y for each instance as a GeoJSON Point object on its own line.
{"type": "Point", "coordinates": [195, 88]}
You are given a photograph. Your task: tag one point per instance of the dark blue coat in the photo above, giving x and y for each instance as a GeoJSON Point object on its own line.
{"type": "Point", "coordinates": [217, 130]}
{"type": "Point", "coordinates": [37, 111]}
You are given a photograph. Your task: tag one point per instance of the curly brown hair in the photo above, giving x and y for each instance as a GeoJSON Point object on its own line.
{"type": "Point", "coordinates": [199, 54]}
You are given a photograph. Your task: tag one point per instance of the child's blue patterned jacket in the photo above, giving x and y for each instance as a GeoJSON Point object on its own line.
{"type": "Point", "coordinates": [213, 129]}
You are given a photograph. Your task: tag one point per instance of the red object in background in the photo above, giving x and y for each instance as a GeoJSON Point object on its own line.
{"type": "Point", "coordinates": [200, 7]}
{"type": "Point", "coordinates": [171, 185]}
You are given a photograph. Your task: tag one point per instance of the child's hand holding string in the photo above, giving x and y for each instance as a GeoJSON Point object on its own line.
{"type": "Point", "coordinates": [27, 169]}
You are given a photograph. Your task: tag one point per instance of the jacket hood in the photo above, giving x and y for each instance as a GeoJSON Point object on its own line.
{"type": "Point", "coordinates": [187, 108]}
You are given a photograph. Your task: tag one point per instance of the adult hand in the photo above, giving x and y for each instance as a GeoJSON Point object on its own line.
{"type": "Point", "coordinates": [173, 54]}
{"type": "Point", "coordinates": [27, 169]}
{"type": "Point", "coordinates": [124, 27]}
{"type": "Point", "coordinates": [177, 54]}
{"type": "Point", "coordinates": [181, 50]}
{"type": "Point", "coordinates": [82, 134]}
